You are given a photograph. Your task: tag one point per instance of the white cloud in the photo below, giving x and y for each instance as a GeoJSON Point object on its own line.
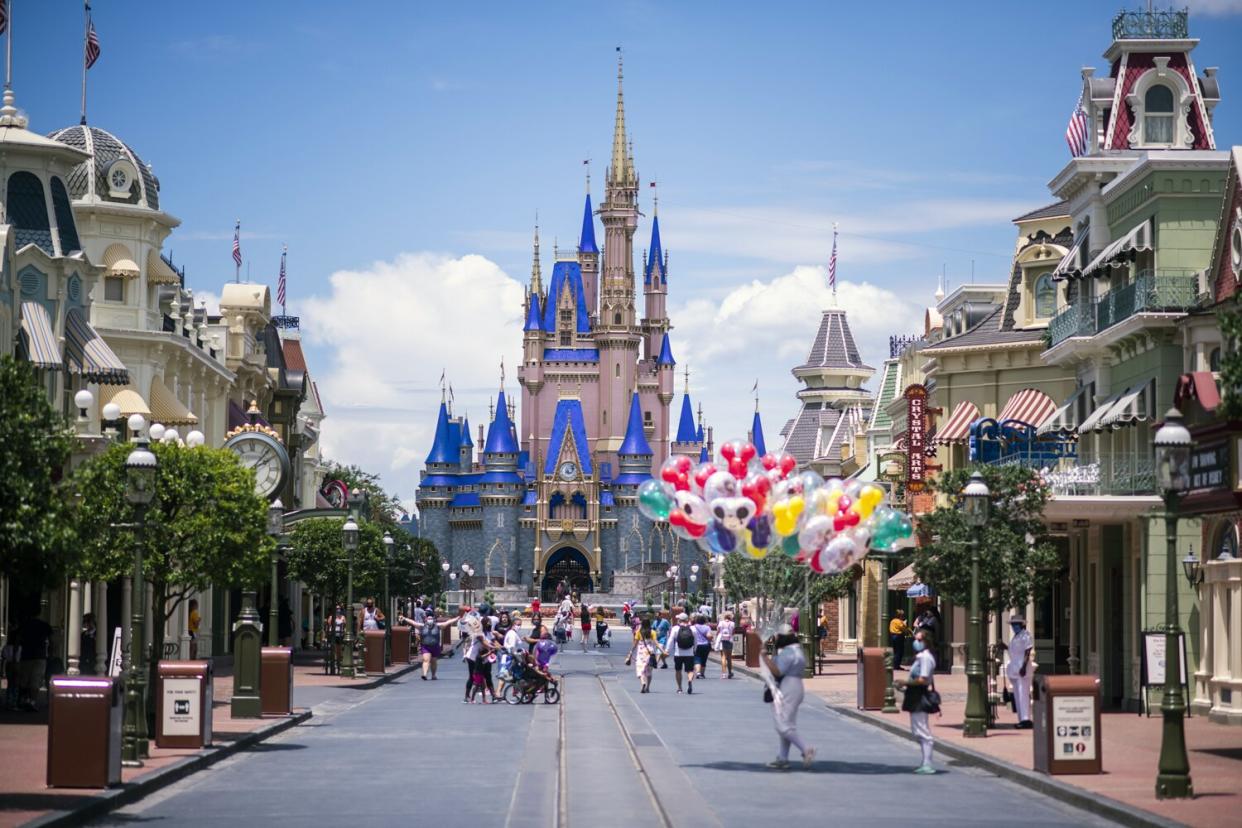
{"type": "Point", "coordinates": [208, 298]}
{"type": "Point", "coordinates": [391, 328]}
{"type": "Point", "coordinates": [1219, 8]}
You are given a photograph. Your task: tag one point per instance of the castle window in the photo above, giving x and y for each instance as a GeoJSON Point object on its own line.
{"type": "Point", "coordinates": [1045, 297]}
{"type": "Point", "coordinates": [566, 338]}
{"type": "Point", "coordinates": [617, 369]}
{"type": "Point", "coordinates": [1158, 115]}
{"type": "Point", "coordinates": [647, 418]}
{"type": "Point", "coordinates": [616, 319]}
{"type": "Point", "coordinates": [605, 417]}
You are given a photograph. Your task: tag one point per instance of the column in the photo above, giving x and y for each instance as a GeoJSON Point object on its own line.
{"type": "Point", "coordinates": [73, 629]}
{"type": "Point", "coordinates": [183, 624]}
{"type": "Point", "coordinates": [103, 633]}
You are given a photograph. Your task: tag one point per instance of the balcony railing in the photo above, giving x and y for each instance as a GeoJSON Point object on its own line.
{"type": "Point", "coordinates": [1151, 25]}
{"type": "Point", "coordinates": [1119, 473]}
{"type": "Point", "coordinates": [1151, 292]}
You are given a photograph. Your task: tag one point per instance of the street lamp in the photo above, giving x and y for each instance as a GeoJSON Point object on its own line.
{"type": "Point", "coordinates": [141, 468]}
{"type": "Point", "coordinates": [1172, 443]}
{"type": "Point", "coordinates": [349, 539]}
{"type": "Point", "coordinates": [275, 528]}
{"type": "Point", "coordinates": [445, 566]}
{"type": "Point", "coordinates": [976, 506]}
{"type": "Point", "coordinates": [388, 543]}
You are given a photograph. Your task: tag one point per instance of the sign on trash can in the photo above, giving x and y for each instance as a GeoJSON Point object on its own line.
{"type": "Point", "coordinates": [1067, 737]}
{"type": "Point", "coordinates": [183, 704]}
{"type": "Point", "coordinates": [84, 732]}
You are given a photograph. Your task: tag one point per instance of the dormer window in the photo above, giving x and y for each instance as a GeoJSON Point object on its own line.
{"type": "Point", "coordinates": [1045, 297]}
{"type": "Point", "coordinates": [1158, 115]}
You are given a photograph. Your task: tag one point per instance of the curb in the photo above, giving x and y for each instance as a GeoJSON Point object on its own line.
{"type": "Point", "coordinates": [1041, 783]}
{"type": "Point", "coordinates": [149, 783]}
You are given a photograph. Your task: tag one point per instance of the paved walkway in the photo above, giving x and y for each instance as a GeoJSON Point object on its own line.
{"type": "Point", "coordinates": [1131, 749]}
{"type": "Point", "coordinates": [24, 794]}
{"type": "Point", "coordinates": [606, 756]}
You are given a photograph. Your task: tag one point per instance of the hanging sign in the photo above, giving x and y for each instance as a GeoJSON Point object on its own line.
{"type": "Point", "coordinates": [1209, 466]}
{"type": "Point", "coordinates": [916, 437]}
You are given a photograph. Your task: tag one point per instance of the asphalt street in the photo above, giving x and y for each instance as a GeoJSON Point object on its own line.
{"type": "Point", "coordinates": [412, 753]}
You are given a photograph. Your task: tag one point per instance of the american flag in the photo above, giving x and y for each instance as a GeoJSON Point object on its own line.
{"type": "Point", "coordinates": [832, 262]}
{"type": "Point", "coordinates": [280, 283]}
{"type": "Point", "coordinates": [92, 44]}
{"type": "Point", "coordinates": [1076, 131]}
{"type": "Point", "coordinates": [4, 16]}
{"type": "Point", "coordinates": [237, 244]}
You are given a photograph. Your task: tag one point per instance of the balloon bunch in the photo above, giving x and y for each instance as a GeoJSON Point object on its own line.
{"type": "Point", "coordinates": [758, 504]}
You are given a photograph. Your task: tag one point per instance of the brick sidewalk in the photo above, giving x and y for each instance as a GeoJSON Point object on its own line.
{"type": "Point", "coordinates": [24, 795]}
{"type": "Point", "coordinates": [1131, 749]}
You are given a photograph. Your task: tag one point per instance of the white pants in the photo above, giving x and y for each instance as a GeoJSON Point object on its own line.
{"type": "Point", "coordinates": [1022, 695]}
{"type": "Point", "coordinates": [785, 703]}
{"type": "Point", "coordinates": [921, 729]}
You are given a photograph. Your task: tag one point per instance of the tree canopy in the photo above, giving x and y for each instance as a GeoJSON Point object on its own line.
{"type": "Point", "coordinates": [781, 579]}
{"type": "Point", "coordinates": [317, 558]}
{"type": "Point", "coordinates": [1017, 560]}
{"type": "Point", "coordinates": [35, 443]}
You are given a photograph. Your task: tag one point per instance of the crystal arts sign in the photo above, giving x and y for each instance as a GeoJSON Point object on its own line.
{"type": "Point", "coordinates": [916, 437]}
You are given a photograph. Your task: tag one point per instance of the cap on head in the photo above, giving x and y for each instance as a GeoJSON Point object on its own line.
{"type": "Point", "coordinates": [681, 616]}
{"type": "Point", "coordinates": [1017, 619]}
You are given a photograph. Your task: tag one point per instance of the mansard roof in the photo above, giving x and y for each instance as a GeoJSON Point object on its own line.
{"type": "Point", "coordinates": [834, 344]}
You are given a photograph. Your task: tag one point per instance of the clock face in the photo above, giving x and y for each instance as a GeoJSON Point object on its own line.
{"type": "Point", "coordinates": [568, 470]}
{"type": "Point", "coordinates": [266, 457]}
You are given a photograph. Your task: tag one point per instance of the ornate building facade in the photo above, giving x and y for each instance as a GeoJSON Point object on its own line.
{"type": "Point", "coordinates": [550, 495]}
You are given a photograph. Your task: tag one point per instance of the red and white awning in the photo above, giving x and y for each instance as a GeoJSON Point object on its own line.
{"type": "Point", "coordinates": [958, 426]}
{"type": "Point", "coordinates": [1030, 406]}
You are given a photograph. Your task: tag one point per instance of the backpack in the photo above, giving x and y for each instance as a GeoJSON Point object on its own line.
{"type": "Point", "coordinates": [685, 638]}
{"type": "Point", "coordinates": [431, 634]}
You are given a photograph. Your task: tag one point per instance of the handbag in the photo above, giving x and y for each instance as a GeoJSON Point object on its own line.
{"type": "Point", "coordinates": [930, 701]}
{"type": "Point", "coordinates": [767, 695]}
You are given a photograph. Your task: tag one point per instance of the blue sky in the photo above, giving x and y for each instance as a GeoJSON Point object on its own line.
{"type": "Point", "coordinates": [405, 147]}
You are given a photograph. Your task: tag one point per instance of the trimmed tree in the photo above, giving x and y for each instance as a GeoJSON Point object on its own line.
{"type": "Point", "coordinates": [782, 581]}
{"type": "Point", "coordinates": [206, 526]}
{"type": "Point", "coordinates": [1017, 559]}
{"type": "Point", "coordinates": [317, 558]}
{"type": "Point", "coordinates": [35, 443]}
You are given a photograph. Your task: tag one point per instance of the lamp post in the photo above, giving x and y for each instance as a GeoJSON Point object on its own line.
{"type": "Point", "coordinates": [976, 505]}
{"type": "Point", "coordinates": [1172, 443]}
{"type": "Point", "coordinates": [349, 539]}
{"type": "Point", "coordinates": [388, 544]}
{"type": "Point", "coordinates": [890, 694]}
{"type": "Point", "coordinates": [445, 566]}
{"type": "Point", "coordinates": [141, 467]}
{"type": "Point", "coordinates": [275, 528]}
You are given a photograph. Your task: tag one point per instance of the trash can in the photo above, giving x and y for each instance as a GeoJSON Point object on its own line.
{"type": "Point", "coordinates": [84, 732]}
{"type": "Point", "coordinates": [1066, 715]}
{"type": "Point", "coordinates": [276, 681]}
{"type": "Point", "coordinates": [446, 636]}
{"type": "Point", "coordinates": [871, 678]}
{"type": "Point", "coordinates": [401, 645]}
{"type": "Point", "coordinates": [183, 704]}
{"type": "Point", "coordinates": [754, 646]}
{"type": "Point", "coordinates": [374, 661]}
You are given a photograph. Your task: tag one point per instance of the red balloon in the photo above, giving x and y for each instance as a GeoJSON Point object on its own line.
{"type": "Point", "coordinates": [678, 518]}
{"type": "Point", "coordinates": [844, 503]}
{"type": "Point", "coordinates": [852, 518]}
{"type": "Point", "coordinates": [705, 471]}
{"type": "Point", "coordinates": [816, 564]}
{"type": "Point", "coordinates": [839, 522]}
{"type": "Point", "coordinates": [757, 487]}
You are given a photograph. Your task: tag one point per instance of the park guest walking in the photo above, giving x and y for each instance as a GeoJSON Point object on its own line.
{"type": "Point", "coordinates": [1019, 671]}
{"type": "Point", "coordinates": [723, 644]}
{"type": "Point", "coordinates": [786, 668]}
{"type": "Point", "coordinates": [917, 701]}
{"type": "Point", "coordinates": [702, 643]}
{"type": "Point", "coordinates": [584, 621]}
{"type": "Point", "coordinates": [680, 645]}
{"type": "Point", "coordinates": [643, 654]}
{"type": "Point", "coordinates": [662, 627]}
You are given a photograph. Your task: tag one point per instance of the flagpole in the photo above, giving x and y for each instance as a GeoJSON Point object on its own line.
{"type": "Point", "coordinates": [86, 33]}
{"type": "Point", "coordinates": [8, 45]}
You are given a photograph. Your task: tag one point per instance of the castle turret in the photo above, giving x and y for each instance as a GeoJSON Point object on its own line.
{"type": "Point", "coordinates": [756, 433]}
{"type": "Point", "coordinates": [588, 255]}
{"type": "Point", "coordinates": [466, 447]}
{"type": "Point", "coordinates": [634, 456]}
{"type": "Point", "coordinates": [687, 440]}
{"type": "Point", "coordinates": [655, 291]}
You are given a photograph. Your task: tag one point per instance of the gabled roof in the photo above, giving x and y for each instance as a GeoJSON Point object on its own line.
{"type": "Point", "coordinates": [1060, 208]}
{"type": "Point", "coordinates": [655, 254]}
{"type": "Point", "coordinates": [568, 422]}
{"type": "Point", "coordinates": [635, 442]}
{"type": "Point", "coordinates": [987, 333]}
{"type": "Point", "coordinates": [500, 432]}
{"type": "Point", "coordinates": [443, 445]}
{"type": "Point", "coordinates": [533, 314]}
{"type": "Point", "coordinates": [566, 275]}
{"type": "Point", "coordinates": [586, 243]}
{"type": "Point", "coordinates": [888, 391]}
{"type": "Point", "coordinates": [756, 435]}
{"type": "Point", "coordinates": [685, 425]}
{"type": "Point", "coordinates": [834, 344]}
{"type": "Point", "coordinates": [666, 352]}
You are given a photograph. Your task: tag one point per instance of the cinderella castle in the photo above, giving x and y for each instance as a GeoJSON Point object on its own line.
{"type": "Point", "coordinates": [550, 494]}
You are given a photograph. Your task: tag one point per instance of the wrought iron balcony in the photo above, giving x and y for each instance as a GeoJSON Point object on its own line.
{"type": "Point", "coordinates": [1117, 473]}
{"type": "Point", "coordinates": [1151, 291]}
{"type": "Point", "coordinates": [1151, 25]}
{"type": "Point", "coordinates": [1076, 320]}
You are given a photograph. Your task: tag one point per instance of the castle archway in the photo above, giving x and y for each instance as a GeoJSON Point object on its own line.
{"type": "Point", "coordinates": [567, 564]}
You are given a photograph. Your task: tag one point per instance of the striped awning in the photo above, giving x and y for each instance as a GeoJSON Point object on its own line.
{"type": "Point", "coordinates": [1131, 407]}
{"type": "Point", "coordinates": [1071, 264]}
{"type": "Point", "coordinates": [1064, 421]}
{"type": "Point", "coordinates": [159, 272]}
{"type": "Point", "coordinates": [1030, 406]}
{"type": "Point", "coordinates": [958, 425]}
{"type": "Point", "coordinates": [1121, 251]}
{"type": "Point", "coordinates": [166, 408]}
{"type": "Point", "coordinates": [127, 397]}
{"type": "Point", "coordinates": [119, 262]}
{"type": "Point", "coordinates": [89, 354]}
{"type": "Point", "coordinates": [39, 337]}
{"type": "Point", "coordinates": [1092, 423]}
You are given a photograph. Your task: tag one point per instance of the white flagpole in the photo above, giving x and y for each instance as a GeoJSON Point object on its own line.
{"type": "Point", "coordinates": [86, 31]}
{"type": "Point", "coordinates": [8, 46]}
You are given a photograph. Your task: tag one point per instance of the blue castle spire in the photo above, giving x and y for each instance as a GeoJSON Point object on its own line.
{"type": "Point", "coordinates": [500, 438]}
{"type": "Point", "coordinates": [534, 321]}
{"type": "Point", "coordinates": [586, 244]}
{"type": "Point", "coordinates": [655, 254]}
{"type": "Point", "coordinates": [686, 432]}
{"type": "Point", "coordinates": [635, 442]}
{"type": "Point", "coordinates": [756, 435]}
{"type": "Point", "coordinates": [442, 448]}
{"type": "Point", "coordinates": [466, 442]}
{"type": "Point", "coordinates": [666, 352]}
{"type": "Point", "coordinates": [704, 457]}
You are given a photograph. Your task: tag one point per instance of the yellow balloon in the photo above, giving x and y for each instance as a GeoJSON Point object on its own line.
{"type": "Point", "coordinates": [752, 550]}
{"type": "Point", "coordinates": [864, 508]}
{"type": "Point", "coordinates": [872, 495]}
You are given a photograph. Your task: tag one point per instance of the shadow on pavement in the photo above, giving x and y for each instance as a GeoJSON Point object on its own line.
{"type": "Point", "coordinates": [273, 747]}
{"type": "Point", "coordinates": [820, 766]}
{"type": "Point", "coordinates": [41, 802]}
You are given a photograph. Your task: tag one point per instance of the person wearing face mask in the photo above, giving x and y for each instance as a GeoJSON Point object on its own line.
{"type": "Point", "coordinates": [918, 701]}
{"type": "Point", "coordinates": [1019, 671]}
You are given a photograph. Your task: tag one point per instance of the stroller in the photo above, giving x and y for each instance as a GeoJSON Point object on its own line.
{"type": "Point", "coordinates": [603, 635]}
{"type": "Point", "coordinates": [528, 681]}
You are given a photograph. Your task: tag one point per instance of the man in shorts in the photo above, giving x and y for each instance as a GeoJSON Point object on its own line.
{"type": "Point", "coordinates": [680, 645]}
